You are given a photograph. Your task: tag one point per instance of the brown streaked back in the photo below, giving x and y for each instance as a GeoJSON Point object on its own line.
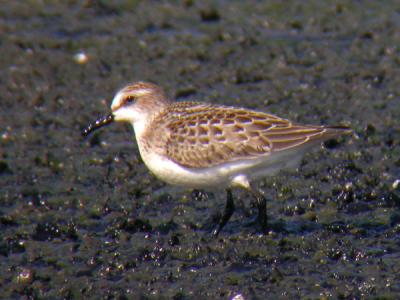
{"type": "Point", "coordinates": [197, 135]}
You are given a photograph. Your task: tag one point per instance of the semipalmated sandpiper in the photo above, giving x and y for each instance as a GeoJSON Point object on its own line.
{"type": "Point", "coordinates": [200, 145]}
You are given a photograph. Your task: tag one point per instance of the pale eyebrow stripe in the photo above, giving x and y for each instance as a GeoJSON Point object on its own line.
{"type": "Point", "coordinates": [139, 92]}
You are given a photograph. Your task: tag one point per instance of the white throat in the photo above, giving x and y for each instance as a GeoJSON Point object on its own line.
{"type": "Point", "coordinates": [140, 127]}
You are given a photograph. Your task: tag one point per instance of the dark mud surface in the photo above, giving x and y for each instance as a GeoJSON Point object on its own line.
{"type": "Point", "coordinates": [84, 218]}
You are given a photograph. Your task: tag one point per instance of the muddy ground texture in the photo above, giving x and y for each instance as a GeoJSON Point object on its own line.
{"type": "Point", "coordinates": [84, 218]}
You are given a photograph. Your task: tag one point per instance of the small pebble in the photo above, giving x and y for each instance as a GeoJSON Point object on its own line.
{"type": "Point", "coordinates": [395, 184]}
{"type": "Point", "coordinates": [238, 297]}
{"type": "Point", "coordinates": [81, 58]}
{"type": "Point", "coordinates": [25, 276]}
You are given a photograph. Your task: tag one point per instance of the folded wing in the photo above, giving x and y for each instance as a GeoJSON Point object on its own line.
{"type": "Point", "coordinates": [202, 135]}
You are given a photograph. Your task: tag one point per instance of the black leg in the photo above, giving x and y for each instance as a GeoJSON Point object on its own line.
{"type": "Point", "coordinates": [229, 209]}
{"type": "Point", "coordinates": [262, 209]}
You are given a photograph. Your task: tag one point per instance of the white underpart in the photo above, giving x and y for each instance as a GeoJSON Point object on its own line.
{"type": "Point", "coordinates": [232, 174]}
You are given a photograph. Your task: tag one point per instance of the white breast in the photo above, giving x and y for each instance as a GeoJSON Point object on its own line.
{"type": "Point", "coordinates": [172, 173]}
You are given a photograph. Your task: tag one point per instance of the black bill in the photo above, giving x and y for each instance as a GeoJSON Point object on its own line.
{"type": "Point", "coordinates": [103, 121]}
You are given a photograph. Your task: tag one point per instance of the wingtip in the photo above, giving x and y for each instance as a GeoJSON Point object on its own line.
{"type": "Point", "coordinates": [340, 129]}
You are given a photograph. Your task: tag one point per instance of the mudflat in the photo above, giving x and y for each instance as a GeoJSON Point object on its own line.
{"type": "Point", "coordinates": [84, 217]}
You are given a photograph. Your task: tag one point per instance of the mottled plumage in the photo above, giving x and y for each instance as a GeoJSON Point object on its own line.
{"type": "Point", "coordinates": [202, 145]}
{"type": "Point", "coordinates": [197, 135]}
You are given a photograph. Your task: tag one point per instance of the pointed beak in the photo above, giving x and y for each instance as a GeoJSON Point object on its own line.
{"type": "Point", "coordinates": [100, 122]}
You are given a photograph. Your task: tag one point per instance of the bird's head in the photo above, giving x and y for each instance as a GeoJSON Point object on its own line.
{"type": "Point", "coordinates": [137, 102]}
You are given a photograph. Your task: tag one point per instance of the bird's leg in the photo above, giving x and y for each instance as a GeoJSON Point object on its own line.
{"type": "Point", "coordinates": [229, 209]}
{"type": "Point", "coordinates": [262, 208]}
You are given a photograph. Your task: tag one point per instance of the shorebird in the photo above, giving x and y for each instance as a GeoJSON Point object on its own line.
{"type": "Point", "coordinates": [200, 145]}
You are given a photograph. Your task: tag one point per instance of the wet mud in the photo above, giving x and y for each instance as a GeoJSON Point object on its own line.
{"type": "Point", "coordinates": [84, 218]}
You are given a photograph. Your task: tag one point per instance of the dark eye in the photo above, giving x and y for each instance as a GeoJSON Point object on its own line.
{"type": "Point", "coordinates": [129, 99]}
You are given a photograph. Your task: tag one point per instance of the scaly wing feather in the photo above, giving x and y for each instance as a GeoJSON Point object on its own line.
{"type": "Point", "coordinates": [203, 135]}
